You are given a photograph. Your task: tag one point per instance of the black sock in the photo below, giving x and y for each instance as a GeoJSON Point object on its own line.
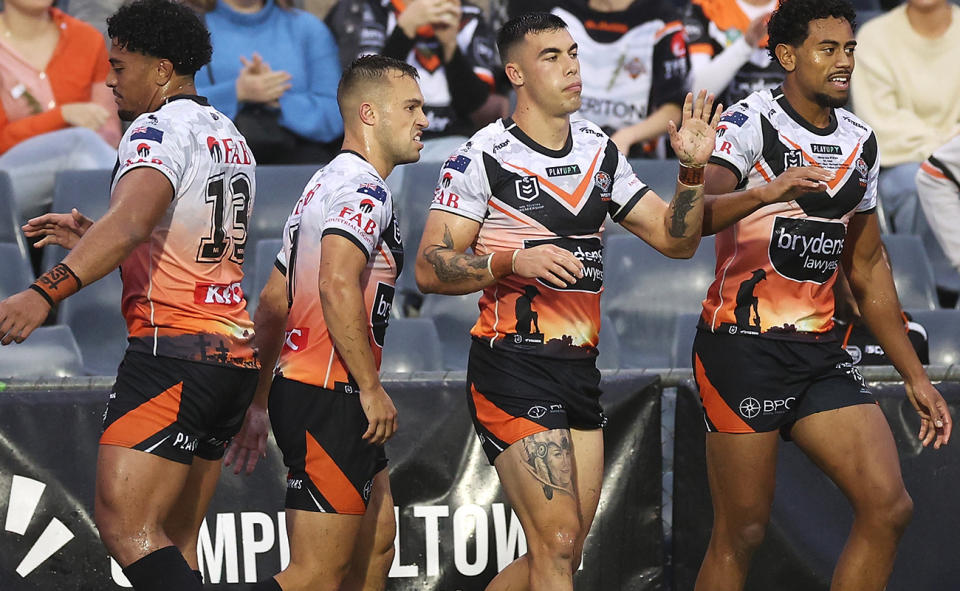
{"type": "Point", "coordinates": [162, 570]}
{"type": "Point", "coordinates": [199, 576]}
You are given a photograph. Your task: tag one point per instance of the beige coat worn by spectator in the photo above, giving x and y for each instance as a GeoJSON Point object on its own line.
{"type": "Point", "coordinates": [938, 187]}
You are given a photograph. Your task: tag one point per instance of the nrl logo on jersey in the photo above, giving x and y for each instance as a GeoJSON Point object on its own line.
{"type": "Point", "coordinates": [528, 188]}
{"type": "Point", "coordinates": [792, 159]}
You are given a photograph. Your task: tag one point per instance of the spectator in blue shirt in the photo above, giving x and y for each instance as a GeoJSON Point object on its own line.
{"type": "Point", "coordinates": [275, 71]}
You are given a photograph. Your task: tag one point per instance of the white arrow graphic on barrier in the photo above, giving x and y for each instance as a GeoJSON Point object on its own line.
{"type": "Point", "coordinates": [25, 495]}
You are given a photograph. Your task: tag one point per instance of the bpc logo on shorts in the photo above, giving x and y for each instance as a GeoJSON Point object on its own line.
{"type": "Point", "coordinates": [536, 412]}
{"type": "Point", "coordinates": [750, 408]}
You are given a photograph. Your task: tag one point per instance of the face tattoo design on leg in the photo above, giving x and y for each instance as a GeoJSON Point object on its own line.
{"type": "Point", "coordinates": [548, 457]}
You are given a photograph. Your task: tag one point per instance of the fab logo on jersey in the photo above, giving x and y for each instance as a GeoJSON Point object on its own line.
{"type": "Point", "coordinates": [806, 250]}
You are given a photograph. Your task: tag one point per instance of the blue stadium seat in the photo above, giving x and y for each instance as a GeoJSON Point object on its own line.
{"type": "Point", "coordinates": [278, 188]}
{"type": "Point", "coordinates": [9, 220]}
{"type": "Point", "coordinates": [93, 315]}
{"type": "Point", "coordinates": [411, 344]}
{"type": "Point", "coordinates": [49, 352]}
{"type": "Point", "coordinates": [912, 272]}
{"type": "Point", "coordinates": [412, 204]}
{"type": "Point", "coordinates": [15, 272]}
{"type": "Point", "coordinates": [943, 334]}
{"type": "Point", "coordinates": [453, 317]}
{"type": "Point", "coordinates": [609, 345]}
{"type": "Point", "coordinates": [645, 291]}
{"type": "Point", "coordinates": [256, 277]}
{"type": "Point", "coordinates": [88, 191]}
{"type": "Point", "coordinates": [684, 332]}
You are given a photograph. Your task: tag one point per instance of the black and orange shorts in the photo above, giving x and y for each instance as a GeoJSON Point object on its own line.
{"type": "Point", "coordinates": [751, 384]}
{"type": "Point", "coordinates": [176, 408]}
{"type": "Point", "coordinates": [320, 432]}
{"type": "Point", "coordinates": [512, 396]}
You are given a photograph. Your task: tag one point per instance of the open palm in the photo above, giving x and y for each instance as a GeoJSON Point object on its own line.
{"type": "Point", "coordinates": [693, 143]}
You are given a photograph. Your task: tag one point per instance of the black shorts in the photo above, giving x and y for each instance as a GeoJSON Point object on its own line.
{"type": "Point", "coordinates": [320, 433]}
{"type": "Point", "coordinates": [176, 408]}
{"type": "Point", "coordinates": [750, 384]}
{"type": "Point", "coordinates": [512, 396]}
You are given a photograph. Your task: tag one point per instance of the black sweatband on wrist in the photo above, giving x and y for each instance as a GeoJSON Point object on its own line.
{"type": "Point", "coordinates": [40, 291]}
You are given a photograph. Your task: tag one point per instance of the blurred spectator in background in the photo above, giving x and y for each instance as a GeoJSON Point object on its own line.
{"type": "Point", "coordinates": [906, 88]}
{"type": "Point", "coordinates": [56, 113]}
{"type": "Point", "coordinates": [728, 48]}
{"type": "Point", "coordinates": [938, 188]}
{"type": "Point", "coordinates": [274, 71]}
{"type": "Point", "coordinates": [448, 42]}
{"type": "Point", "coordinates": [856, 338]}
{"type": "Point", "coordinates": [633, 62]}
{"type": "Point", "coordinates": [94, 12]}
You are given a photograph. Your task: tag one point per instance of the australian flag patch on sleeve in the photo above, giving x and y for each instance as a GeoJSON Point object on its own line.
{"type": "Point", "coordinates": [738, 118]}
{"type": "Point", "coordinates": [147, 133]}
{"type": "Point", "coordinates": [458, 163]}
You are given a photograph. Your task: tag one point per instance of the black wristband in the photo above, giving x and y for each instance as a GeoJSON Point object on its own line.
{"type": "Point", "coordinates": [40, 291]}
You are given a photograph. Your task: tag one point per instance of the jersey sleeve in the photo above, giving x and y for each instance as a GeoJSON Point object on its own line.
{"type": "Point", "coordinates": [627, 189]}
{"type": "Point", "coordinates": [359, 213]}
{"type": "Point", "coordinates": [739, 141]}
{"type": "Point", "coordinates": [152, 143]}
{"type": "Point", "coordinates": [871, 160]}
{"type": "Point", "coordinates": [462, 187]}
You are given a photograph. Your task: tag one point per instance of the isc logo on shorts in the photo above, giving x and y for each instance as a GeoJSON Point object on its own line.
{"type": "Point", "coordinates": [211, 293]}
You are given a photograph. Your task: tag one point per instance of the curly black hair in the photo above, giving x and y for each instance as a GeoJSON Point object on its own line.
{"type": "Point", "coordinates": [790, 23]}
{"type": "Point", "coordinates": [162, 29]}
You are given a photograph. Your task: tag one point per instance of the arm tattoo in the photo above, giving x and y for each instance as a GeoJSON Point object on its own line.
{"type": "Point", "coordinates": [451, 266]}
{"type": "Point", "coordinates": [548, 456]}
{"type": "Point", "coordinates": [682, 205]}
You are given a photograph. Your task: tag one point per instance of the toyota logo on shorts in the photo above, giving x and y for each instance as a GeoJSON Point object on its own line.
{"type": "Point", "coordinates": [536, 412]}
{"type": "Point", "coordinates": [750, 407]}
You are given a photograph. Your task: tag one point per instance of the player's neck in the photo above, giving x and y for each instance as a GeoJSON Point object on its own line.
{"type": "Point", "coordinates": [370, 152]}
{"type": "Point", "coordinates": [814, 113]}
{"type": "Point", "coordinates": [549, 131]}
{"type": "Point", "coordinates": [930, 21]}
{"type": "Point", "coordinates": [609, 5]}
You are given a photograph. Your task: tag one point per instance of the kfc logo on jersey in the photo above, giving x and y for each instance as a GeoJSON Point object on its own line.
{"type": "Point", "coordinates": [295, 339]}
{"type": "Point", "coordinates": [215, 151]}
{"type": "Point", "coordinates": [528, 188]}
{"type": "Point", "coordinates": [143, 150]}
{"type": "Point", "coordinates": [219, 294]}
{"type": "Point", "coordinates": [792, 159]}
{"type": "Point", "coordinates": [366, 206]}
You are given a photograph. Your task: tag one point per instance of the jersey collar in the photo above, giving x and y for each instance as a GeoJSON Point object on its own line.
{"type": "Point", "coordinates": [200, 100]}
{"type": "Point", "coordinates": [792, 113]}
{"type": "Point", "coordinates": [510, 125]}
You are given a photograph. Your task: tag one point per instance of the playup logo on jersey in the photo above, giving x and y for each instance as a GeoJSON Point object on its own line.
{"type": "Point", "coordinates": [528, 188]}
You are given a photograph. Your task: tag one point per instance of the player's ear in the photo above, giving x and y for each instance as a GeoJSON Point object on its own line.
{"type": "Point", "coordinates": [787, 56]}
{"type": "Point", "coordinates": [367, 113]}
{"type": "Point", "coordinates": [514, 75]}
{"type": "Point", "coordinates": [164, 71]}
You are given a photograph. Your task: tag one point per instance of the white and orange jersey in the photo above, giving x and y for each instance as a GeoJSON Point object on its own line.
{"type": "Point", "coordinates": [181, 288]}
{"type": "Point", "coordinates": [525, 195]}
{"type": "Point", "coordinates": [345, 198]}
{"type": "Point", "coordinates": [776, 267]}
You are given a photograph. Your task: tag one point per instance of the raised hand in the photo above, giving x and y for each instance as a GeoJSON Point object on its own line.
{"type": "Point", "coordinates": [63, 229]}
{"type": "Point", "coordinates": [693, 143]}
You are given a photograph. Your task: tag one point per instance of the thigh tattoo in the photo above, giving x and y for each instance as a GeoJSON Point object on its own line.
{"type": "Point", "coordinates": [548, 456]}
